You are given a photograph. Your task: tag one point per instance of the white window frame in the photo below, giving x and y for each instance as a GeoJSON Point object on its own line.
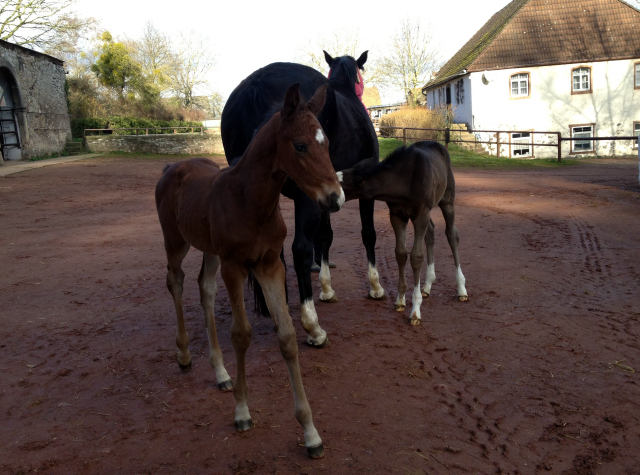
{"type": "Point", "coordinates": [578, 131]}
{"type": "Point", "coordinates": [636, 131]}
{"type": "Point", "coordinates": [519, 80]}
{"type": "Point", "coordinates": [637, 76]}
{"type": "Point", "coordinates": [581, 73]}
{"type": "Point", "coordinates": [521, 144]}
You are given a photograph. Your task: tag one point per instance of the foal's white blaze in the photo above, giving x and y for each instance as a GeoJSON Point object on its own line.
{"type": "Point", "coordinates": [376, 291]}
{"type": "Point", "coordinates": [460, 280]}
{"type": "Point", "coordinates": [417, 301]}
{"type": "Point", "coordinates": [316, 335]}
{"type": "Point", "coordinates": [320, 136]}
{"type": "Point", "coordinates": [327, 292]}
{"type": "Point", "coordinates": [340, 176]}
{"type": "Point", "coordinates": [430, 278]}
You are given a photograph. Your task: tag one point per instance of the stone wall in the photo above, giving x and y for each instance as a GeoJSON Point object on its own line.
{"type": "Point", "coordinates": [39, 97]}
{"type": "Point", "coordinates": [188, 144]}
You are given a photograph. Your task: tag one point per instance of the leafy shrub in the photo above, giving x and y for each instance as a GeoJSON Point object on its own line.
{"type": "Point", "coordinates": [79, 125]}
{"type": "Point", "coordinates": [417, 117]}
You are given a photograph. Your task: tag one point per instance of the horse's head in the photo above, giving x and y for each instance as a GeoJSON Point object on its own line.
{"type": "Point", "coordinates": [345, 68]}
{"type": "Point", "coordinates": [303, 149]}
{"type": "Point", "coordinates": [354, 180]}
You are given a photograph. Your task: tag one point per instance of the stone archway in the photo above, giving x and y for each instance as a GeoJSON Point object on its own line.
{"type": "Point", "coordinates": [10, 143]}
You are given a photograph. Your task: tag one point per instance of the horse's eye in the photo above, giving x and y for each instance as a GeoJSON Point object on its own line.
{"type": "Point", "coordinates": [359, 180]}
{"type": "Point", "coordinates": [300, 147]}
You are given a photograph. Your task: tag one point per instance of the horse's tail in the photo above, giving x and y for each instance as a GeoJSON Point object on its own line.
{"type": "Point", "coordinates": [260, 304]}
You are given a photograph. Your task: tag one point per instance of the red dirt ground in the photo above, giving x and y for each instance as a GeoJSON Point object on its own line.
{"type": "Point", "coordinates": [533, 375]}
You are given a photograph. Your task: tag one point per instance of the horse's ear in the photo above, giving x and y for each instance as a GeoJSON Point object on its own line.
{"type": "Point", "coordinates": [291, 100]}
{"type": "Point", "coordinates": [316, 103]}
{"type": "Point", "coordinates": [328, 58]}
{"type": "Point", "coordinates": [362, 59]}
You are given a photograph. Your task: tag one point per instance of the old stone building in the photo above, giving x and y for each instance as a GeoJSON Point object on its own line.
{"type": "Point", "coordinates": [34, 120]}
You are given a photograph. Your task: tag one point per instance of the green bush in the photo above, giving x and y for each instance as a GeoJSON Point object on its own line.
{"type": "Point", "coordinates": [79, 125]}
{"type": "Point", "coordinates": [416, 117]}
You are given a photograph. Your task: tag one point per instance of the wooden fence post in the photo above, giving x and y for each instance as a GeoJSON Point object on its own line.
{"type": "Point", "coordinates": [447, 137]}
{"type": "Point", "coordinates": [559, 146]}
{"type": "Point", "coordinates": [404, 136]}
{"type": "Point", "coordinates": [497, 144]}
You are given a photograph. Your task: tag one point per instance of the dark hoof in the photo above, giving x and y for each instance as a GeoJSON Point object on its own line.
{"type": "Point", "coordinates": [225, 385]}
{"type": "Point", "coordinates": [185, 367]}
{"type": "Point", "coordinates": [244, 425]}
{"type": "Point", "coordinates": [315, 268]}
{"type": "Point", "coordinates": [316, 452]}
{"type": "Point", "coordinates": [324, 344]}
{"type": "Point", "coordinates": [333, 299]}
{"type": "Point", "coordinates": [384, 297]}
{"type": "Point", "coordinates": [332, 265]}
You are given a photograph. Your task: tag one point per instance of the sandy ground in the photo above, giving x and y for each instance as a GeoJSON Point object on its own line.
{"type": "Point", "coordinates": [535, 374]}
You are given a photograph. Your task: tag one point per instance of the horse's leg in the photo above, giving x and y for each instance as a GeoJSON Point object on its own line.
{"type": "Point", "coordinates": [270, 274]}
{"type": "Point", "coordinates": [234, 277]}
{"type": "Point", "coordinates": [175, 278]}
{"type": "Point", "coordinates": [307, 218]}
{"type": "Point", "coordinates": [429, 240]}
{"type": "Point", "coordinates": [208, 292]}
{"type": "Point", "coordinates": [400, 229]}
{"type": "Point", "coordinates": [420, 226]}
{"type": "Point", "coordinates": [449, 212]}
{"type": "Point", "coordinates": [369, 241]}
{"type": "Point", "coordinates": [326, 236]}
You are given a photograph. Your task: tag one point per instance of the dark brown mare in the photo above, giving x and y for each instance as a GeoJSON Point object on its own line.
{"type": "Point", "coordinates": [412, 180]}
{"type": "Point", "coordinates": [233, 217]}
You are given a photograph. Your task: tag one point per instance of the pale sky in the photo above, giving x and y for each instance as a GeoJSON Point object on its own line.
{"type": "Point", "coordinates": [247, 35]}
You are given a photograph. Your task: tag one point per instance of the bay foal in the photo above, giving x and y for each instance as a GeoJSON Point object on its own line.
{"type": "Point", "coordinates": [412, 180]}
{"type": "Point", "coordinates": [233, 217]}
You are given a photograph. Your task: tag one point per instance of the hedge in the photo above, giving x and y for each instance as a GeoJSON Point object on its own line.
{"type": "Point", "coordinates": [79, 125]}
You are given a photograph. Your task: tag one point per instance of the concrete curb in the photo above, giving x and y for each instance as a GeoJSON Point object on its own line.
{"type": "Point", "coordinates": [10, 169]}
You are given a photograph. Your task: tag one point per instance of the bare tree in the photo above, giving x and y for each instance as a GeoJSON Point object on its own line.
{"type": "Point", "coordinates": [35, 23]}
{"type": "Point", "coordinates": [336, 43]}
{"type": "Point", "coordinates": [411, 58]}
{"type": "Point", "coordinates": [154, 53]}
{"type": "Point", "coordinates": [76, 46]}
{"type": "Point", "coordinates": [192, 63]}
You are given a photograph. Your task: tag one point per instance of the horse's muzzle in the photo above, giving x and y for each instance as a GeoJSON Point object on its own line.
{"type": "Point", "coordinates": [332, 202]}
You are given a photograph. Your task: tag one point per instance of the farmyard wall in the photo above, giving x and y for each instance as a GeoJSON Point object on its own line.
{"type": "Point", "coordinates": [189, 144]}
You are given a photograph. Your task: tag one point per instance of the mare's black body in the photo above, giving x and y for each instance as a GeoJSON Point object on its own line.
{"type": "Point", "coordinates": [346, 123]}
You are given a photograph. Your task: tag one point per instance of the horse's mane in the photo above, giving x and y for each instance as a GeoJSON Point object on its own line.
{"type": "Point", "coordinates": [394, 157]}
{"type": "Point", "coordinates": [344, 72]}
{"type": "Point", "coordinates": [404, 153]}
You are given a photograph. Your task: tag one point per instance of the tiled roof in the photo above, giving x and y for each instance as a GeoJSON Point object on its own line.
{"type": "Point", "coordinates": [538, 32]}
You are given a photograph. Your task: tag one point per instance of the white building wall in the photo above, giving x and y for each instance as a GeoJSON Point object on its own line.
{"type": "Point", "coordinates": [460, 103]}
{"type": "Point", "coordinates": [613, 105]}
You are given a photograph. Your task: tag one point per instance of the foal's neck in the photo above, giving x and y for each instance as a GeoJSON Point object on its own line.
{"type": "Point", "coordinates": [259, 176]}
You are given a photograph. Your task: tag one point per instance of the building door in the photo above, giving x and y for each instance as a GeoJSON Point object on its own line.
{"type": "Point", "coordinates": [9, 133]}
{"type": "Point", "coordinates": [448, 94]}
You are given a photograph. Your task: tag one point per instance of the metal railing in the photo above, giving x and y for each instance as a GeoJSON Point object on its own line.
{"type": "Point", "coordinates": [444, 135]}
{"type": "Point", "coordinates": [145, 129]}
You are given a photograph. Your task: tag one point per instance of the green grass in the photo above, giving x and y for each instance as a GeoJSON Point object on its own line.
{"type": "Point", "coordinates": [463, 158]}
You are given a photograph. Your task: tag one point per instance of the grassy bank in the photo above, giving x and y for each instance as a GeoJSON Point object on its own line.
{"type": "Point", "coordinates": [466, 158]}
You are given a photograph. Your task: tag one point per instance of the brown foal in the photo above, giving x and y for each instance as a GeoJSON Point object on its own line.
{"type": "Point", "coordinates": [232, 216]}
